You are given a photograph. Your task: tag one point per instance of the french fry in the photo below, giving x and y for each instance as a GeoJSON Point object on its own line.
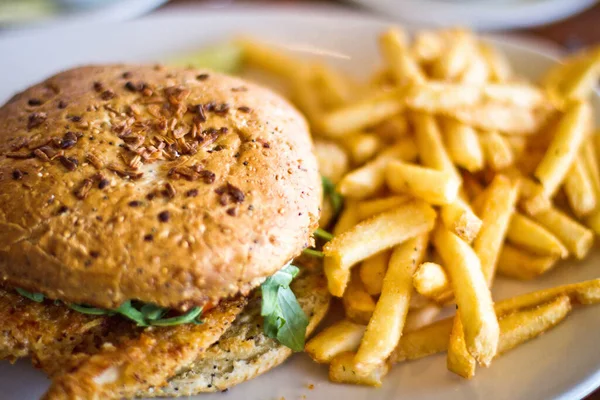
{"type": "Point", "coordinates": [306, 98]}
{"type": "Point", "coordinates": [327, 212]}
{"type": "Point", "coordinates": [435, 187]}
{"type": "Point", "coordinates": [472, 186]}
{"type": "Point", "coordinates": [497, 150]}
{"type": "Point", "coordinates": [472, 295]}
{"type": "Point", "coordinates": [430, 339]}
{"type": "Point", "coordinates": [369, 208]}
{"type": "Point", "coordinates": [518, 145]}
{"type": "Point", "coordinates": [459, 360]}
{"type": "Point", "coordinates": [348, 218]}
{"type": "Point", "coordinates": [354, 117]}
{"type": "Point", "coordinates": [386, 325]}
{"type": "Point", "coordinates": [576, 237]}
{"type": "Point", "coordinates": [362, 146]}
{"type": "Point", "coordinates": [372, 272]}
{"type": "Point", "coordinates": [427, 46]}
{"type": "Point", "coordinates": [335, 88]}
{"type": "Point", "coordinates": [476, 71]}
{"type": "Point", "coordinates": [402, 66]}
{"type": "Point", "coordinates": [575, 77]}
{"type": "Point", "coordinates": [500, 200]}
{"type": "Point", "coordinates": [518, 264]}
{"type": "Point", "coordinates": [332, 159]}
{"type": "Point", "coordinates": [367, 180]}
{"type": "Point", "coordinates": [342, 370]}
{"type": "Point", "coordinates": [431, 281]}
{"type": "Point", "coordinates": [460, 219]}
{"type": "Point", "coordinates": [520, 327]}
{"type": "Point", "coordinates": [420, 317]}
{"type": "Point", "coordinates": [451, 63]}
{"type": "Point", "coordinates": [463, 145]}
{"type": "Point", "coordinates": [445, 97]}
{"type": "Point", "coordinates": [358, 304]}
{"type": "Point", "coordinates": [432, 152]}
{"type": "Point", "coordinates": [590, 160]}
{"type": "Point", "coordinates": [593, 221]}
{"type": "Point", "coordinates": [533, 237]}
{"type": "Point", "coordinates": [561, 153]}
{"type": "Point", "coordinates": [498, 65]}
{"type": "Point", "coordinates": [579, 189]}
{"type": "Point", "coordinates": [340, 337]}
{"type": "Point", "coordinates": [586, 292]}
{"type": "Point", "coordinates": [379, 233]}
{"type": "Point", "coordinates": [532, 198]}
{"type": "Point", "coordinates": [393, 128]}
{"type": "Point", "coordinates": [505, 118]}
{"type": "Point", "coordinates": [337, 278]}
{"type": "Point", "coordinates": [515, 329]}
{"type": "Point", "coordinates": [268, 58]}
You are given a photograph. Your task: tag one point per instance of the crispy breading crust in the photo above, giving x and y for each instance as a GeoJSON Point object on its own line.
{"type": "Point", "coordinates": [115, 185]}
{"type": "Point", "coordinates": [148, 360]}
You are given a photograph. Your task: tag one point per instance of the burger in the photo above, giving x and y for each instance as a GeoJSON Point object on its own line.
{"type": "Point", "coordinates": [149, 219]}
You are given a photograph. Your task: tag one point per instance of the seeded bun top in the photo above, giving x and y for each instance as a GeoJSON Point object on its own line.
{"type": "Point", "coordinates": [166, 185]}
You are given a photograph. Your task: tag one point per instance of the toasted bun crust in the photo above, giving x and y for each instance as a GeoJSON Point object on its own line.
{"type": "Point", "coordinates": [115, 186]}
{"type": "Point", "coordinates": [244, 351]}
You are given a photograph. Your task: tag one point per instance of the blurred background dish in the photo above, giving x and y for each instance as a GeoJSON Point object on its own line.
{"type": "Point", "coordinates": [478, 14]}
{"type": "Point", "coordinates": [35, 13]}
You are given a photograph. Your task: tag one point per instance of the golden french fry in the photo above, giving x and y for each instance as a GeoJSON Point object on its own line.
{"type": "Point", "coordinates": [435, 187]}
{"type": "Point", "coordinates": [340, 337]}
{"type": "Point", "coordinates": [348, 218]}
{"type": "Point", "coordinates": [337, 278]}
{"type": "Point", "coordinates": [575, 78]}
{"type": "Point", "coordinates": [532, 198]}
{"type": "Point", "coordinates": [445, 97]}
{"type": "Point", "coordinates": [367, 180]}
{"type": "Point", "coordinates": [497, 150]}
{"type": "Point", "coordinates": [386, 325]}
{"type": "Point", "coordinates": [519, 264]}
{"type": "Point", "coordinates": [505, 118]}
{"type": "Point", "coordinates": [332, 159]}
{"type": "Point", "coordinates": [500, 200]}
{"type": "Point", "coordinates": [267, 57]}
{"type": "Point", "coordinates": [576, 237]}
{"type": "Point", "coordinates": [432, 152]}
{"type": "Point", "coordinates": [306, 98]}
{"type": "Point", "coordinates": [372, 272]}
{"type": "Point", "coordinates": [451, 63]}
{"type": "Point", "coordinates": [427, 46]}
{"type": "Point", "coordinates": [393, 128]}
{"type": "Point", "coordinates": [476, 72]}
{"type": "Point", "coordinates": [342, 370]}
{"type": "Point", "coordinates": [402, 66]}
{"type": "Point", "coordinates": [463, 145]}
{"type": "Point", "coordinates": [459, 360]}
{"type": "Point", "coordinates": [590, 160]}
{"type": "Point", "coordinates": [472, 295]}
{"type": "Point", "coordinates": [335, 88]}
{"type": "Point", "coordinates": [579, 189]}
{"type": "Point", "coordinates": [379, 233]}
{"type": "Point", "coordinates": [593, 221]}
{"type": "Point", "coordinates": [430, 339]}
{"type": "Point", "coordinates": [420, 317]}
{"type": "Point", "coordinates": [460, 219]}
{"type": "Point", "coordinates": [586, 292]}
{"type": "Point", "coordinates": [520, 327]}
{"type": "Point", "coordinates": [498, 65]}
{"type": "Point", "coordinates": [358, 304]}
{"type": "Point", "coordinates": [561, 153]}
{"type": "Point", "coordinates": [326, 213]}
{"type": "Point", "coordinates": [369, 208]}
{"type": "Point", "coordinates": [515, 329]}
{"type": "Point", "coordinates": [533, 237]}
{"type": "Point", "coordinates": [472, 186]}
{"type": "Point", "coordinates": [518, 146]}
{"type": "Point", "coordinates": [431, 280]}
{"type": "Point", "coordinates": [362, 146]}
{"type": "Point", "coordinates": [356, 116]}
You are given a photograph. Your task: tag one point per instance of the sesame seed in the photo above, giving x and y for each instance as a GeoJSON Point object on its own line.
{"type": "Point", "coordinates": [164, 216]}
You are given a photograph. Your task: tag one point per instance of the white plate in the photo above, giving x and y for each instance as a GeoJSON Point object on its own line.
{"type": "Point", "coordinates": [564, 363]}
{"type": "Point", "coordinates": [479, 14]}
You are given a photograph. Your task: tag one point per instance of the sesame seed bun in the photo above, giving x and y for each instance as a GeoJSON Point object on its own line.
{"type": "Point", "coordinates": [167, 185]}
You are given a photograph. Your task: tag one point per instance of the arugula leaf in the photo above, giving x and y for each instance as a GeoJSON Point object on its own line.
{"type": "Point", "coordinates": [37, 297]}
{"type": "Point", "coordinates": [284, 319]}
{"type": "Point", "coordinates": [335, 198]}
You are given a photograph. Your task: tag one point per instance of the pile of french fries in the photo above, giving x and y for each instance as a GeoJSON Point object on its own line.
{"type": "Point", "coordinates": [453, 170]}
